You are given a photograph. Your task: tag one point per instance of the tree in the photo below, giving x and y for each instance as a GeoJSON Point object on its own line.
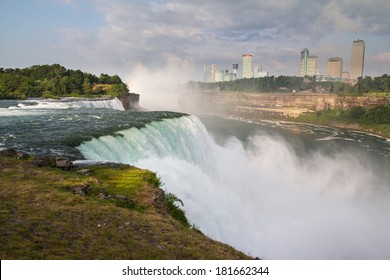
{"type": "Point", "coordinates": [26, 88]}
{"type": "Point", "coordinates": [104, 79]}
{"type": "Point", "coordinates": [87, 87]}
{"type": "Point", "coordinates": [115, 80]}
{"type": "Point", "coordinates": [117, 90]}
{"type": "Point", "coordinates": [65, 85]}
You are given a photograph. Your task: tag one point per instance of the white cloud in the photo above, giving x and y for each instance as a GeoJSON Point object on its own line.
{"type": "Point", "coordinates": [202, 31]}
{"type": "Point", "coordinates": [382, 57]}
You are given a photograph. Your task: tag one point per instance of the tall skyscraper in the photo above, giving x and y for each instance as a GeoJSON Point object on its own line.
{"type": "Point", "coordinates": [247, 66]}
{"type": "Point", "coordinates": [308, 65]}
{"type": "Point", "coordinates": [303, 62]}
{"type": "Point", "coordinates": [209, 73]}
{"type": "Point", "coordinates": [357, 59]}
{"type": "Point", "coordinates": [335, 67]}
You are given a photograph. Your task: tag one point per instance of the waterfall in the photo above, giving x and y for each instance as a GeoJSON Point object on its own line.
{"type": "Point", "coordinates": [184, 138]}
{"type": "Point", "coordinates": [67, 103]}
{"type": "Point", "coordinates": [114, 103]}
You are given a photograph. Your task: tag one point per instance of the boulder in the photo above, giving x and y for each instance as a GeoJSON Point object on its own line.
{"type": "Point", "coordinates": [64, 163]}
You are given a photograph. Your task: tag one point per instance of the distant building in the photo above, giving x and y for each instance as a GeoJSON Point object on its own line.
{"type": "Point", "coordinates": [222, 76]}
{"type": "Point", "coordinates": [247, 66]}
{"type": "Point", "coordinates": [357, 59]}
{"type": "Point", "coordinates": [308, 65]}
{"type": "Point", "coordinates": [335, 67]}
{"type": "Point", "coordinates": [312, 66]}
{"type": "Point", "coordinates": [219, 76]}
{"type": "Point", "coordinates": [303, 62]}
{"type": "Point", "coordinates": [209, 73]}
{"type": "Point", "coordinates": [235, 69]}
{"type": "Point", "coordinates": [259, 73]}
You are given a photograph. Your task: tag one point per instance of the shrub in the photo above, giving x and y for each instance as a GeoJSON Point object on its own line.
{"type": "Point", "coordinates": [356, 112]}
{"type": "Point", "coordinates": [174, 210]}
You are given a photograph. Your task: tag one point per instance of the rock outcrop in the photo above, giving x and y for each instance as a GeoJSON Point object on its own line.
{"type": "Point", "coordinates": [130, 101]}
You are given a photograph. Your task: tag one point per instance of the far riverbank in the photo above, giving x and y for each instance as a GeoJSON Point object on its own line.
{"type": "Point", "coordinates": [369, 114]}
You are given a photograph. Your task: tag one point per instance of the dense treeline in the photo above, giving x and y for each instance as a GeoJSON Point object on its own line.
{"type": "Point", "coordinates": [56, 81]}
{"type": "Point", "coordinates": [291, 83]}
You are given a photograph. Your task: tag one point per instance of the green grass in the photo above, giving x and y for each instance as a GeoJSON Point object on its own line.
{"type": "Point", "coordinates": [41, 217]}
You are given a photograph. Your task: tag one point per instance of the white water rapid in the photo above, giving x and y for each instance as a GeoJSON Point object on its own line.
{"type": "Point", "coordinates": [113, 103]}
{"type": "Point", "coordinates": [265, 199]}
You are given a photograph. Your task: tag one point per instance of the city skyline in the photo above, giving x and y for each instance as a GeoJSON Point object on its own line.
{"type": "Point", "coordinates": [308, 66]}
{"type": "Point", "coordinates": [172, 40]}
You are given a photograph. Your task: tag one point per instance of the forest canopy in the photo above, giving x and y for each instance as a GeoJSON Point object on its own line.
{"type": "Point", "coordinates": [54, 81]}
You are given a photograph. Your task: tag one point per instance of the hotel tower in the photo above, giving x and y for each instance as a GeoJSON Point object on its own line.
{"type": "Point", "coordinates": [247, 66]}
{"type": "Point", "coordinates": [357, 59]}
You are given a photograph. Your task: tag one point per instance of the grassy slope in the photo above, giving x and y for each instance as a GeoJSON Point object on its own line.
{"type": "Point", "coordinates": [41, 218]}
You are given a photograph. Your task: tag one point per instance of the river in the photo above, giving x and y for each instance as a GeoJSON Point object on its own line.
{"type": "Point", "coordinates": [273, 190]}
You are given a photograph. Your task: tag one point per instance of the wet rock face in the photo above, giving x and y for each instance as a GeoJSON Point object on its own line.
{"type": "Point", "coordinates": [130, 101]}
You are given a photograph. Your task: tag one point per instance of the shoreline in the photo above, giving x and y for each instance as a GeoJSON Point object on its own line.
{"type": "Point", "coordinates": [341, 126]}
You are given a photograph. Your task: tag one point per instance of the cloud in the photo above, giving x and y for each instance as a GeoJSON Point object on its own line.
{"type": "Point", "coordinates": [382, 57]}
{"type": "Point", "coordinates": [202, 31]}
{"type": "Point", "coordinates": [354, 16]}
{"type": "Point", "coordinates": [379, 63]}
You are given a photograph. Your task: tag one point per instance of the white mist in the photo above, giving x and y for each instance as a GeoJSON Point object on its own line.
{"type": "Point", "coordinates": [267, 201]}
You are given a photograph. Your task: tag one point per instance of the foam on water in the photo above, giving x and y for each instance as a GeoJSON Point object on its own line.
{"type": "Point", "coordinates": [40, 105]}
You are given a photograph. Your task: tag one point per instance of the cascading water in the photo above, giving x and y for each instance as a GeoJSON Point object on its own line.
{"type": "Point", "coordinates": [263, 198]}
{"type": "Point", "coordinates": [113, 103]}
{"type": "Point", "coordinates": [65, 103]}
{"type": "Point", "coordinates": [176, 137]}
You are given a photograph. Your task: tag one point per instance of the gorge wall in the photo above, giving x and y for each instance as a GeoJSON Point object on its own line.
{"type": "Point", "coordinates": [274, 104]}
{"type": "Point", "coordinates": [295, 104]}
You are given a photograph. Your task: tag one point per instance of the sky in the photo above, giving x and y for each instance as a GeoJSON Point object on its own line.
{"type": "Point", "coordinates": [172, 40]}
